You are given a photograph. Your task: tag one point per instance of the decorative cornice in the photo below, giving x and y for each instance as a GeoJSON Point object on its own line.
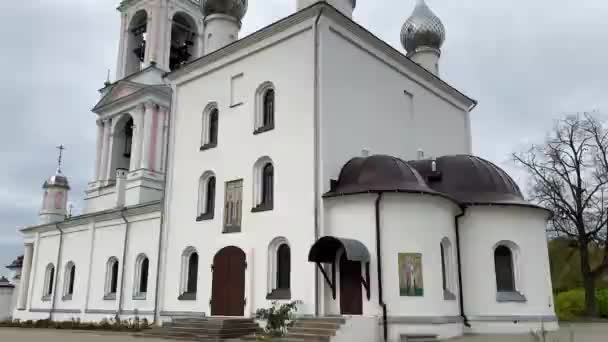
{"type": "Point", "coordinates": [101, 216]}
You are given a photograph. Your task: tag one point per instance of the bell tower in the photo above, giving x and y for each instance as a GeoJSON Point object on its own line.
{"type": "Point", "coordinates": [164, 33]}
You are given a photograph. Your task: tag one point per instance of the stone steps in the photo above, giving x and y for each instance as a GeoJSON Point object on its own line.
{"type": "Point", "coordinates": [203, 329]}
{"type": "Point", "coordinates": [420, 338]}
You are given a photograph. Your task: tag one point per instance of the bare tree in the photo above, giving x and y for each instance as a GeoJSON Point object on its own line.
{"type": "Point", "coordinates": [569, 175]}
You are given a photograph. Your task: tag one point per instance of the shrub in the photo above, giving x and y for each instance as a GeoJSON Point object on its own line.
{"type": "Point", "coordinates": [602, 302]}
{"type": "Point", "coordinates": [278, 317]}
{"type": "Point", "coordinates": [570, 305]}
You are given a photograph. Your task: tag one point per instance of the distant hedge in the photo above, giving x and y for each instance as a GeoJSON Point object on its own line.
{"type": "Point", "coordinates": [570, 305]}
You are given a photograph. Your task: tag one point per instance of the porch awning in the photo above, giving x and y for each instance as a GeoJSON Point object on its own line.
{"type": "Point", "coordinates": [325, 249]}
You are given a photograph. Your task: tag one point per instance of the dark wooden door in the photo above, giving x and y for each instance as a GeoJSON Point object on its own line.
{"type": "Point", "coordinates": [228, 287]}
{"type": "Point", "coordinates": [351, 295]}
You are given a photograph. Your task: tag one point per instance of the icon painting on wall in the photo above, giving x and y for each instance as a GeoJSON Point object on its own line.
{"type": "Point", "coordinates": [410, 275]}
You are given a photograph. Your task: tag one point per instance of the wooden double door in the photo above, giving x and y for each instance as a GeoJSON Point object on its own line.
{"type": "Point", "coordinates": [351, 295]}
{"type": "Point", "coordinates": [228, 286]}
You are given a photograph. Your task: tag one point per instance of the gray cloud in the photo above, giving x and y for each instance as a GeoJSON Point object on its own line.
{"type": "Point", "coordinates": [527, 62]}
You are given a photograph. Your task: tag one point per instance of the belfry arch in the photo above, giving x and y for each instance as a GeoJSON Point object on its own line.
{"type": "Point", "coordinates": [184, 40]}
{"type": "Point", "coordinates": [136, 42]}
{"type": "Point", "coordinates": [122, 144]}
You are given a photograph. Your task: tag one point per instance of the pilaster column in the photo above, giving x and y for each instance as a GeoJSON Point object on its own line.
{"type": "Point", "coordinates": [98, 148]}
{"type": "Point", "coordinates": [148, 134]}
{"type": "Point", "coordinates": [25, 277]}
{"type": "Point", "coordinates": [162, 114]}
{"type": "Point", "coordinates": [103, 164]}
{"type": "Point", "coordinates": [110, 142]}
{"type": "Point", "coordinates": [122, 47]}
{"type": "Point", "coordinates": [138, 135]}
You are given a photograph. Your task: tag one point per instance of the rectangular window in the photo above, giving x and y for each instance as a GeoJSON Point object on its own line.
{"type": "Point", "coordinates": [233, 203]}
{"type": "Point", "coordinates": [236, 91]}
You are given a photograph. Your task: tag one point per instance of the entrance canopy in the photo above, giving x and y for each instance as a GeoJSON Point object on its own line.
{"type": "Point", "coordinates": [325, 249]}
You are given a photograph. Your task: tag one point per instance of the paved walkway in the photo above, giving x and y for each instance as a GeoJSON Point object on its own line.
{"type": "Point", "coordinates": [582, 332]}
{"type": "Point", "coordinates": [52, 335]}
{"type": "Point", "coordinates": [591, 332]}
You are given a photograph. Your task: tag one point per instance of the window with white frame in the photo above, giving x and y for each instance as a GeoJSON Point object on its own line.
{"type": "Point", "coordinates": [265, 105]}
{"type": "Point", "coordinates": [447, 269]}
{"type": "Point", "coordinates": [49, 282]}
{"type": "Point", "coordinates": [263, 185]}
{"type": "Point", "coordinates": [210, 127]}
{"type": "Point", "coordinates": [142, 269]}
{"type": "Point", "coordinates": [233, 206]}
{"type": "Point", "coordinates": [206, 197]}
{"type": "Point", "coordinates": [279, 269]}
{"type": "Point", "coordinates": [189, 274]}
{"type": "Point", "coordinates": [111, 285]}
{"type": "Point", "coordinates": [68, 281]}
{"type": "Point", "coordinates": [506, 267]}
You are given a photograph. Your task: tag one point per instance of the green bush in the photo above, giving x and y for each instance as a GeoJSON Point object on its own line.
{"type": "Point", "coordinates": [602, 302]}
{"type": "Point", "coordinates": [570, 305]}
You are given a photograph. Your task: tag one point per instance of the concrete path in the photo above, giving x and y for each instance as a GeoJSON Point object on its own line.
{"type": "Point", "coordinates": [52, 335]}
{"type": "Point", "coordinates": [580, 332]}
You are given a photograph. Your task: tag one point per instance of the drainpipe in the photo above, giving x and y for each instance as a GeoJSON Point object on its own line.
{"type": "Point", "coordinates": [379, 261]}
{"type": "Point", "coordinates": [460, 292]}
{"type": "Point", "coordinates": [316, 147]}
{"type": "Point", "coordinates": [123, 261]}
{"type": "Point", "coordinates": [56, 279]}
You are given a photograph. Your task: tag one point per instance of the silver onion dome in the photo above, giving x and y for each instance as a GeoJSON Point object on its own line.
{"type": "Point", "coordinates": [57, 180]}
{"type": "Point", "coordinates": [422, 28]}
{"type": "Point", "coordinates": [233, 8]}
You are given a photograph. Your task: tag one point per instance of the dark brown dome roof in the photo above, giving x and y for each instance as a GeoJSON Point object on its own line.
{"type": "Point", "coordinates": [470, 180]}
{"type": "Point", "coordinates": [378, 173]}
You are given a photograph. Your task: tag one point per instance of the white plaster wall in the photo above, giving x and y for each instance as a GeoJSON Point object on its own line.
{"type": "Point", "coordinates": [417, 224]}
{"type": "Point", "coordinates": [442, 331]}
{"type": "Point", "coordinates": [6, 301]}
{"type": "Point", "coordinates": [481, 229]}
{"type": "Point", "coordinates": [409, 224]}
{"type": "Point", "coordinates": [76, 242]}
{"type": "Point", "coordinates": [143, 238]}
{"type": "Point", "coordinates": [288, 65]}
{"type": "Point", "coordinates": [109, 240]}
{"type": "Point", "coordinates": [369, 103]}
{"type": "Point", "coordinates": [45, 254]}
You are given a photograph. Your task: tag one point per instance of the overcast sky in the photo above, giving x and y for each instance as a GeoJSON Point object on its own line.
{"type": "Point", "coordinates": [526, 61]}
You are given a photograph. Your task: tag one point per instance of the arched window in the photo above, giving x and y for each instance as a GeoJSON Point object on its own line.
{"type": "Point", "coordinates": [447, 273]}
{"type": "Point", "coordinates": [111, 286]}
{"type": "Point", "coordinates": [506, 269]}
{"type": "Point", "coordinates": [69, 279]}
{"type": "Point", "coordinates": [210, 127]}
{"type": "Point", "coordinates": [503, 262]}
{"type": "Point", "coordinates": [279, 269]}
{"type": "Point", "coordinates": [267, 185]}
{"type": "Point", "coordinates": [269, 108]}
{"type": "Point", "coordinates": [263, 185]}
{"type": "Point", "coordinates": [265, 108]}
{"type": "Point", "coordinates": [49, 282]}
{"type": "Point", "coordinates": [206, 197]}
{"type": "Point", "coordinates": [122, 144]}
{"type": "Point", "coordinates": [189, 275]}
{"type": "Point", "coordinates": [142, 269]}
{"type": "Point", "coordinates": [284, 267]}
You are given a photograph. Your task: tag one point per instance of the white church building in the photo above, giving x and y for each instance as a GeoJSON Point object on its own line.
{"type": "Point", "coordinates": [308, 161]}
